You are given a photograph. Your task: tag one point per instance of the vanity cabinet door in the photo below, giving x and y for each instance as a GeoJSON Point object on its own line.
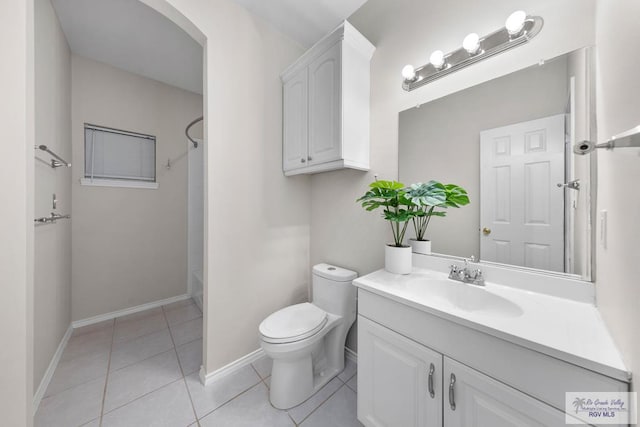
{"type": "Point", "coordinates": [325, 107]}
{"type": "Point", "coordinates": [295, 135]}
{"type": "Point", "coordinates": [473, 399]}
{"type": "Point", "coordinates": [399, 380]}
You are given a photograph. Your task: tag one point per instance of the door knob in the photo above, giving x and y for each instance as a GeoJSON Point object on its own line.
{"type": "Point", "coordinates": [486, 231]}
{"type": "Point", "coordinates": [573, 185]}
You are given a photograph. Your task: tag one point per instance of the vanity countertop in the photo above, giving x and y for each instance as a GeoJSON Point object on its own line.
{"type": "Point", "coordinates": [568, 330]}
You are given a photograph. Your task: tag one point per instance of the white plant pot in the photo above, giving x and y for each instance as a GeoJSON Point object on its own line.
{"type": "Point", "coordinates": [397, 260]}
{"type": "Point", "coordinates": [420, 246]}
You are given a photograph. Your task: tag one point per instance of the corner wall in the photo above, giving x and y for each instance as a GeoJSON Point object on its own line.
{"type": "Point", "coordinates": [52, 275]}
{"type": "Point", "coordinates": [256, 220]}
{"type": "Point", "coordinates": [16, 227]}
{"type": "Point", "coordinates": [129, 244]}
{"type": "Point", "coordinates": [618, 107]}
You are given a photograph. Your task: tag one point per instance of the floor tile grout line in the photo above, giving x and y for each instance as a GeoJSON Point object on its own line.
{"type": "Point", "coordinates": [169, 325]}
{"type": "Point", "coordinates": [72, 387]}
{"type": "Point", "coordinates": [323, 402]}
{"type": "Point", "coordinates": [292, 420]}
{"type": "Point", "coordinates": [192, 303]}
{"type": "Point", "coordinates": [260, 376]}
{"type": "Point", "coordinates": [184, 321]}
{"type": "Point", "coordinates": [46, 396]}
{"type": "Point", "coordinates": [112, 325]}
{"type": "Point", "coordinates": [184, 379]}
{"type": "Point", "coordinates": [231, 399]}
{"type": "Point", "coordinates": [149, 392]}
{"type": "Point", "coordinates": [142, 360]}
{"type": "Point", "coordinates": [142, 396]}
{"type": "Point", "coordinates": [162, 352]}
{"type": "Point", "coordinates": [120, 343]}
{"type": "Point", "coordinates": [106, 379]}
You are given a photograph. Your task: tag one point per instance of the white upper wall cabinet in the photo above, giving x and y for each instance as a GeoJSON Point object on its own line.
{"type": "Point", "coordinates": [326, 105]}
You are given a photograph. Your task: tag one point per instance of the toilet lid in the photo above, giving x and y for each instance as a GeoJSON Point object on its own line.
{"type": "Point", "coordinates": [293, 323]}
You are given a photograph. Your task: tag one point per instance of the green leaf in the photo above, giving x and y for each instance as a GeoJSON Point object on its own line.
{"type": "Point", "coordinates": [432, 193]}
{"type": "Point", "coordinates": [387, 185]}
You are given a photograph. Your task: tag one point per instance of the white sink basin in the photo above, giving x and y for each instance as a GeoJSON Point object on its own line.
{"type": "Point", "coordinates": [466, 297]}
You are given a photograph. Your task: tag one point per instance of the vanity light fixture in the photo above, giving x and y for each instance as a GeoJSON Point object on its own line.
{"type": "Point", "coordinates": [519, 29]}
{"type": "Point", "coordinates": [515, 22]}
{"type": "Point", "coordinates": [409, 73]}
{"type": "Point", "coordinates": [471, 43]}
{"type": "Point", "coordinates": [437, 59]}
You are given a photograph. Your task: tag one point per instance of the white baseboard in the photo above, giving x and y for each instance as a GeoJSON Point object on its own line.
{"type": "Point", "coordinates": [250, 358]}
{"type": "Point", "coordinates": [124, 312]}
{"type": "Point", "coordinates": [351, 355]}
{"type": "Point", "coordinates": [48, 374]}
{"type": "Point", "coordinates": [231, 367]}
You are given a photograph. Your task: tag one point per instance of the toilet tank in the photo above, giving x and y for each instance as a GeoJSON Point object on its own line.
{"type": "Point", "coordinates": [333, 290]}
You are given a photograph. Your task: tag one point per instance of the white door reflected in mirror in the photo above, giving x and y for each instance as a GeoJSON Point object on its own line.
{"type": "Point", "coordinates": [520, 202]}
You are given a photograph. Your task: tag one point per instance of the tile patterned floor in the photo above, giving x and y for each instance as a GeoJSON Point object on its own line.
{"type": "Point", "coordinates": [142, 370]}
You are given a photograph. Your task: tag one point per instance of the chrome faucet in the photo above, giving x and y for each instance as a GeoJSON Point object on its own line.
{"type": "Point", "coordinates": [466, 274]}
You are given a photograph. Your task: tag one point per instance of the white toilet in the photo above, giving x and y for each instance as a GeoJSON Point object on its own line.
{"type": "Point", "coordinates": [306, 341]}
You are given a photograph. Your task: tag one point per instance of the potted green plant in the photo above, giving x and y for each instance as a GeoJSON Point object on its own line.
{"type": "Point", "coordinates": [428, 199]}
{"type": "Point", "coordinates": [391, 197]}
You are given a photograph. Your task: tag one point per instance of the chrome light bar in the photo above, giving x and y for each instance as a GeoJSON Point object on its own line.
{"type": "Point", "coordinates": [475, 49]}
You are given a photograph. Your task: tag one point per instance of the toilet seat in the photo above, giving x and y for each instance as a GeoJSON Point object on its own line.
{"type": "Point", "coordinates": [293, 323]}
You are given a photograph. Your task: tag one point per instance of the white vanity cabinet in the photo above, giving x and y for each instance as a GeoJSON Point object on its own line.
{"type": "Point", "coordinates": [399, 380]}
{"type": "Point", "coordinates": [477, 380]}
{"type": "Point", "coordinates": [476, 400]}
{"type": "Point", "coordinates": [402, 383]}
{"type": "Point", "coordinates": [326, 105]}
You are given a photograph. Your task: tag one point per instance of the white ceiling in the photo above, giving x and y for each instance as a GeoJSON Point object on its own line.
{"type": "Point", "coordinates": [131, 36]}
{"type": "Point", "coordinates": [305, 21]}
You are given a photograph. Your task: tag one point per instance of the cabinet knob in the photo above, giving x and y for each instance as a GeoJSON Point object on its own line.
{"type": "Point", "coordinates": [302, 160]}
{"type": "Point", "coordinates": [309, 158]}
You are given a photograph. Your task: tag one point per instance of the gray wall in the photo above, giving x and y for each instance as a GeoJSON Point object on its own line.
{"type": "Point", "coordinates": [129, 245]}
{"type": "Point", "coordinates": [618, 97]}
{"type": "Point", "coordinates": [441, 141]}
{"type": "Point", "coordinates": [52, 264]}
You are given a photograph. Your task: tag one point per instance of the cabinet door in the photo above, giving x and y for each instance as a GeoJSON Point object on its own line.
{"type": "Point", "coordinates": [473, 399]}
{"type": "Point", "coordinates": [295, 135]}
{"type": "Point", "coordinates": [399, 381]}
{"type": "Point", "coordinates": [325, 116]}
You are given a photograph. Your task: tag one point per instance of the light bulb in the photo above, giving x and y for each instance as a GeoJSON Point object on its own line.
{"type": "Point", "coordinates": [515, 22]}
{"type": "Point", "coordinates": [409, 73]}
{"type": "Point", "coordinates": [471, 43]}
{"type": "Point", "coordinates": [437, 59]}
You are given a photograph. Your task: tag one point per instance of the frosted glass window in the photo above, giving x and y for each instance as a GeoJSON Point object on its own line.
{"type": "Point", "coordinates": [116, 154]}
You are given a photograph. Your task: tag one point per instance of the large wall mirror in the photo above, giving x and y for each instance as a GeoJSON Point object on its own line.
{"type": "Point", "coordinates": [509, 142]}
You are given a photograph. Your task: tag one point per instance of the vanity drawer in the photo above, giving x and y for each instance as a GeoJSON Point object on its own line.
{"type": "Point", "coordinates": [538, 375]}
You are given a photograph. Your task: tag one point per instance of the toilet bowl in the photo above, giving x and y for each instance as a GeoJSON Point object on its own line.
{"type": "Point", "coordinates": [306, 341]}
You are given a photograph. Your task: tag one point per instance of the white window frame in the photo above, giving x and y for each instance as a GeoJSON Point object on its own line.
{"type": "Point", "coordinates": [89, 180]}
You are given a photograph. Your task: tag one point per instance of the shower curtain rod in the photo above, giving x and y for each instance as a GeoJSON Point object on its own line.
{"type": "Point", "coordinates": [186, 131]}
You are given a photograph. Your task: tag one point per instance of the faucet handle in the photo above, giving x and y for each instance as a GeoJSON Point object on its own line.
{"type": "Point", "coordinates": [454, 270]}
